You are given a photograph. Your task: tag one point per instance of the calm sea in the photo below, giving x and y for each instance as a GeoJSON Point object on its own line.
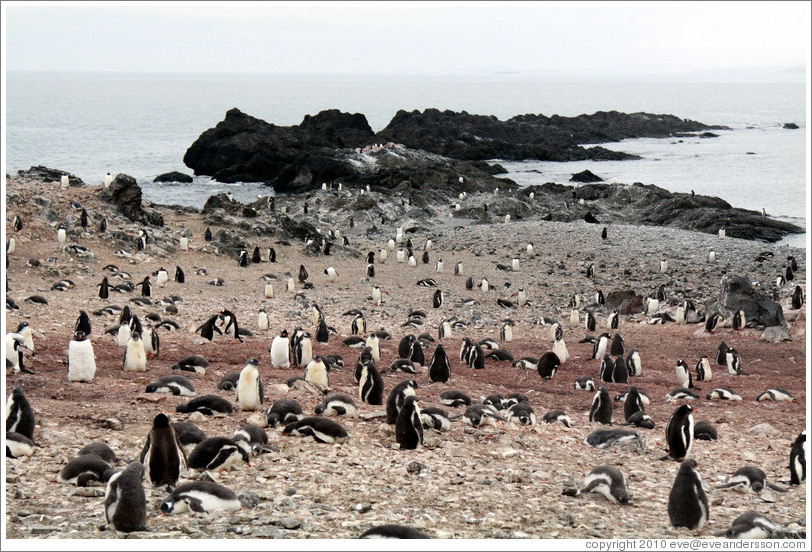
{"type": "Point", "coordinates": [141, 125]}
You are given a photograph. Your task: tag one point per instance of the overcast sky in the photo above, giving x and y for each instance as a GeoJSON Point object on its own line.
{"type": "Point", "coordinates": [407, 37]}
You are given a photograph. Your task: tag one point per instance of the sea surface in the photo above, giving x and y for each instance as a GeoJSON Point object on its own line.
{"type": "Point", "coordinates": [142, 124]}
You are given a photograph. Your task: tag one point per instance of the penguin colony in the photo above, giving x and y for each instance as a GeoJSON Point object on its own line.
{"type": "Point", "coordinates": [164, 459]}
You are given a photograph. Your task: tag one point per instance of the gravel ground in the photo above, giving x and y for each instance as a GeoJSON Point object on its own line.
{"type": "Point", "coordinates": [499, 481]}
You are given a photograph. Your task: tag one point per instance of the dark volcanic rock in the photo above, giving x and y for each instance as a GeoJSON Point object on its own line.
{"type": "Point", "coordinates": [173, 176]}
{"type": "Point", "coordinates": [759, 309]}
{"type": "Point", "coordinates": [586, 177]}
{"type": "Point", "coordinates": [791, 126]}
{"type": "Point", "coordinates": [126, 194]}
{"type": "Point", "coordinates": [44, 173]}
{"type": "Point", "coordinates": [627, 302]}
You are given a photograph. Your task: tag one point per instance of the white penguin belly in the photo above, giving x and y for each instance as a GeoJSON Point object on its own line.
{"type": "Point", "coordinates": [81, 361]}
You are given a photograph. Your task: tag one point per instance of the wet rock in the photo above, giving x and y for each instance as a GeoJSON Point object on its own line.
{"type": "Point", "coordinates": [174, 176]}
{"type": "Point", "coordinates": [776, 334]}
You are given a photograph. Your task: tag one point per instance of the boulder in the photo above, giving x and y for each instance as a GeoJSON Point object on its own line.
{"type": "Point", "coordinates": [585, 176]}
{"type": "Point", "coordinates": [173, 176]}
{"type": "Point", "coordinates": [759, 309]}
{"type": "Point", "coordinates": [790, 126]}
{"type": "Point", "coordinates": [626, 302]}
{"type": "Point", "coordinates": [776, 334]}
{"type": "Point", "coordinates": [126, 194]}
{"type": "Point", "coordinates": [40, 172]}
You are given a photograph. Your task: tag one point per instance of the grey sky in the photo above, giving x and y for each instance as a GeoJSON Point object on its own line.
{"type": "Point", "coordinates": [407, 37]}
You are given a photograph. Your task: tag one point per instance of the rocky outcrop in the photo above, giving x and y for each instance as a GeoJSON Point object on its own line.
{"type": "Point", "coordinates": [759, 309]}
{"type": "Point", "coordinates": [585, 176]}
{"type": "Point", "coordinates": [126, 194]}
{"type": "Point", "coordinates": [174, 176]}
{"type": "Point", "coordinates": [791, 126]}
{"type": "Point", "coordinates": [39, 172]}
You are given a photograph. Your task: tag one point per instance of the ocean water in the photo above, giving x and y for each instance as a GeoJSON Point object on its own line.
{"type": "Point", "coordinates": [142, 124]}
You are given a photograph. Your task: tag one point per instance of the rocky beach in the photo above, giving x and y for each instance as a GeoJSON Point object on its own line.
{"type": "Point", "coordinates": [496, 481]}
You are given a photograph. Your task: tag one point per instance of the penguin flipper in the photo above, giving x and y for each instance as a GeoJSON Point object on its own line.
{"type": "Point", "coordinates": [196, 505]}
{"type": "Point", "coordinates": [83, 479]}
{"type": "Point", "coordinates": [220, 457]}
{"type": "Point", "coordinates": [730, 485]}
{"type": "Point", "coordinates": [776, 488]}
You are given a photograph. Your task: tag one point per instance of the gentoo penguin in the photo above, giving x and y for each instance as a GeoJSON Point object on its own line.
{"type": "Point", "coordinates": [557, 416]}
{"type": "Point", "coordinates": [612, 321]}
{"type": "Point", "coordinates": [721, 354]}
{"type": "Point", "coordinates": [703, 369]}
{"type": "Point", "coordinates": [201, 497]}
{"type": "Point", "coordinates": [679, 433]}
{"type": "Point", "coordinates": [479, 414]}
{"type": "Point", "coordinates": [373, 343]}
{"type": "Point", "coordinates": [135, 356]}
{"type": "Point", "coordinates": [749, 478]}
{"type": "Point", "coordinates": [439, 366]}
{"type": "Point", "coordinates": [24, 329]}
{"type": "Point", "coordinates": [280, 350]}
{"type": "Point", "coordinates": [192, 363]}
{"type": "Point", "coordinates": [161, 277]}
{"type": "Point", "coordinates": [331, 273]}
{"type": "Point", "coordinates": [617, 347]}
{"type": "Point", "coordinates": [104, 288]}
{"type": "Point", "coordinates": [250, 393]}
{"type": "Point", "coordinates": [180, 277]}
{"type": "Point", "coordinates": [687, 503]}
{"type": "Point", "coordinates": [620, 372]}
{"type": "Point", "coordinates": [547, 365]}
{"type": "Point", "coordinates": [393, 531]}
{"type": "Point", "coordinates": [739, 319]}
{"type": "Point", "coordinates": [711, 256]}
{"type": "Point", "coordinates": [252, 439]}
{"type": "Point", "coordinates": [85, 468]}
{"type": "Point", "coordinates": [217, 453]}
{"type": "Point", "coordinates": [454, 398]}
{"type": "Point", "coordinates": [705, 432]}
{"type": "Point", "coordinates": [359, 325]}
{"type": "Point", "coordinates": [61, 235]}
{"type": "Point", "coordinates": [506, 332]}
{"type": "Point", "coordinates": [590, 322]}
{"type": "Point", "coordinates": [601, 410]}
{"type": "Point", "coordinates": [633, 403]}
{"type": "Point", "coordinates": [82, 323]}
{"type": "Point", "coordinates": [243, 261]}
{"type": "Point", "coordinates": [303, 349]}
{"type": "Point", "coordinates": [262, 320]}
{"type": "Point", "coordinates": [336, 404]}
{"type": "Point", "coordinates": [476, 357]}
{"type": "Point", "coordinates": [206, 404]}
{"type": "Point", "coordinates": [584, 383]}
{"type": "Point", "coordinates": [437, 299]}
{"type": "Point", "coordinates": [17, 223]}
{"type": "Point", "coordinates": [322, 429]}
{"type": "Point", "coordinates": [438, 265]}
{"type": "Point", "coordinates": [484, 285]}
{"type": "Point", "coordinates": [712, 322]}
{"type": "Point", "coordinates": [19, 414]}
{"type": "Point", "coordinates": [723, 394]}
{"type": "Point", "coordinates": [15, 347]}
{"type": "Point", "coordinates": [679, 316]}
{"type": "Point", "coordinates": [435, 418]}
{"type": "Point", "coordinates": [283, 411]}
{"type": "Point", "coordinates": [163, 456]}
{"type": "Point", "coordinates": [634, 364]}
{"type": "Point", "coordinates": [316, 371]}
{"type": "Point", "coordinates": [18, 445]}
{"type": "Point", "coordinates": [322, 331]}
{"type": "Point", "coordinates": [752, 525]}
{"type": "Point", "coordinates": [601, 346]}
{"type": "Point", "coordinates": [607, 369]}
{"type": "Point", "coordinates": [599, 298]}
{"type": "Point", "coordinates": [590, 271]}
{"type": "Point", "coordinates": [409, 425]}
{"type": "Point", "coordinates": [125, 503]}
{"type": "Point", "coordinates": [416, 354]}
{"type": "Point", "coordinates": [370, 385]}
{"type": "Point", "coordinates": [608, 481]}
{"type": "Point", "coordinates": [397, 397]}
{"type": "Point", "coordinates": [797, 300]}
{"type": "Point", "coordinates": [680, 393]}
{"type": "Point", "coordinates": [151, 340]}
{"type": "Point", "coordinates": [81, 359]}
{"type": "Point", "coordinates": [734, 362]}
{"type": "Point", "coordinates": [102, 451]}
{"type": "Point", "coordinates": [146, 287]}
{"type": "Point", "coordinates": [521, 413]}
{"type": "Point", "coordinates": [174, 384]}
{"type": "Point", "coordinates": [683, 373]}
{"type": "Point", "coordinates": [797, 460]}
{"type": "Point", "coordinates": [641, 419]}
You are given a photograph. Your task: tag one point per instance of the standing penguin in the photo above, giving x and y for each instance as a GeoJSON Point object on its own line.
{"type": "Point", "coordinates": [125, 503]}
{"type": "Point", "coordinates": [633, 403]}
{"type": "Point", "coordinates": [439, 366]}
{"type": "Point", "coordinates": [146, 287]}
{"type": "Point", "coordinates": [280, 350]}
{"type": "Point", "coordinates": [104, 288]}
{"type": "Point", "coordinates": [161, 277]}
{"type": "Point", "coordinates": [687, 503]}
{"type": "Point", "coordinates": [135, 356]}
{"type": "Point", "coordinates": [601, 346]}
{"type": "Point", "coordinates": [206, 329]}
{"type": "Point", "coordinates": [734, 362]}
{"type": "Point", "coordinates": [437, 299]}
{"type": "Point", "coordinates": [82, 323]}
{"type": "Point", "coordinates": [250, 393]}
{"type": "Point", "coordinates": [620, 374]}
{"type": "Point", "coordinates": [255, 256]}
{"type": "Point", "coordinates": [81, 359]}
{"type": "Point", "coordinates": [243, 261]}
{"type": "Point", "coordinates": [634, 364]}
{"type": "Point", "coordinates": [589, 321]}
{"type": "Point", "coordinates": [617, 347]}
{"type": "Point", "coordinates": [607, 369]}
{"type": "Point", "coordinates": [373, 342]}
{"type": "Point", "coordinates": [612, 321]}
{"type": "Point", "coordinates": [601, 411]}
{"type": "Point", "coordinates": [359, 325]}
{"type": "Point", "coordinates": [15, 347]}
{"type": "Point", "coordinates": [703, 369]}
{"type": "Point", "coordinates": [370, 385]}
{"type": "Point", "coordinates": [679, 433]}
{"type": "Point", "coordinates": [797, 298]}
{"type": "Point", "coordinates": [123, 334]}
{"type": "Point", "coordinates": [397, 397]}
{"type": "Point", "coordinates": [684, 375]}
{"type": "Point", "coordinates": [19, 414]}
{"type": "Point", "coordinates": [180, 277]}
{"type": "Point", "coordinates": [797, 460]}
{"type": "Point", "coordinates": [548, 364]}
{"type": "Point", "coordinates": [163, 456]}
{"type": "Point", "coordinates": [316, 371]}
{"type": "Point", "coordinates": [303, 274]}
{"type": "Point", "coordinates": [409, 425]}
{"type": "Point", "coordinates": [262, 320]}
{"type": "Point", "coordinates": [739, 320]}
{"type": "Point", "coordinates": [61, 235]}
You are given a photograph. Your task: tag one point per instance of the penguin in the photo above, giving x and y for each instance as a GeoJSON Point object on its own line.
{"type": "Point", "coordinates": [416, 354]}
{"type": "Point", "coordinates": [612, 321]}
{"type": "Point", "coordinates": [316, 371]}
{"type": "Point", "coordinates": [724, 394]}
{"type": "Point", "coordinates": [18, 445]}
{"type": "Point", "coordinates": [739, 319]}
{"type": "Point", "coordinates": [392, 531]}
{"type": "Point", "coordinates": [633, 403]}
{"type": "Point", "coordinates": [684, 375]}
{"type": "Point", "coordinates": [641, 419]}
{"type": "Point", "coordinates": [607, 481]}
{"type": "Point", "coordinates": [15, 347]}
{"type": "Point", "coordinates": [454, 398]}
{"type": "Point", "coordinates": [705, 432]}
{"type": "Point", "coordinates": [217, 453]}
{"type": "Point", "coordinates": [753, 525]}
{"type": "Point", "coordinates": [601, 410]}
{"type": "Point", "coordinates": [604, 233]}
{"type": "Point", "coordinates": [161, 277]}
{"type": "Point", "coordinates": [104, 288]}
{"type": "Point", "coordinates": [679, 433]}
{"type": "Point", "coordinates": [373, 343]}
{"type": "Point", "coordinates": [262, 320]}
{"type": "Point", "coordinates": [19, 414]}
{"type": "Point", "coordinates": [681, 393]}
{"type": "Point", "coordinates": [437, 299]}
{"type": "Point", "coordinates": [590, 271]}
{"type": "Point", "coordinates": [206, 404]}
{"type": "Point", "coordinates": [687, 503]}
{"type": "Point", "coordinates": [322, 429]}
{"type": "Point", "coordinates": [322, 331]}
{"type": "Point", "coordinates": [797, 298]}
{"type": "Point", "coordinates": [81, 358]}
{"type": "Point", "coordinates": [439, 366]}
{"type": "Point", "coordinates": [243, 259]}
{"type": "Point", "coordinates": [484, 285]}
{"type": "Point", "coordinates": [397, 397]}
{"type": "Point", "coordinates": [734, 362]}
{"type": "Point", "coordinates": [370, 385]}
{"type": "Point", "coordinates": [477, 415]}
{"type": "Point", "coordinates": [634, 364]}
{"type": "Point", "coordinates": [797, 460]}
{"type": "Point", "coordinates": [607, 369]}
{"type": "Point", "coordinates": [712, 322]}
{"type": "Point", "coordinates": [125, 503]}
{"type": "Point", "coordinates": [61, 235]}
{"type": "Point", "coordinates": [620, 372]}
{"type": "Point", "coordinates": [331, 273]}
{"type": "Point", "coordinates": [152, 341]}
{"type": "Point", "coordinates": [679, 316]}
{"type": "Point", "coordinates": [703, 369]}
{"type": "Point", "coordinates": [141, 242]}
{"type": "Point", "coordinates": [250, 392]}
{"type": "Point", "coordinates": [506, 332]}
{"type": "Point", "coordinates": [174, 384]}
{"type": "Point", "coordinates": [557, 416]}
{"type": "Point", "coordinates": [192, 363]}
{"type": "Point", "coordinates": [163, 456]}
{"type": "Point", "coordinates": [271, 255]}
{"type": "Point", "coordinates": [721, 354]}
{"type": "Point", "coordinates": [409, 425]}
{"type": "Point", "coordinates": [547, 365]}
{"type": "Point", "coordinates": [601, 346]}
{"type": "Point", "coordinates": [229, 320]}
{"type": "Point", "coordinates": [584, 383]}
{"type": "Point", "coordinates": [24, 329]}
{"type": "Point", "coordinates": [280, 350]}
{"type": "Point", "coordinates": [336, 404]}
{"type": "Point", "coordinates": [521, 413]}
{"type": "Point", "coordinates": [469, 283]}
{"type": "Point", "coordinates": [252, 439]}
{"type": "Point", "coordinates": [359, 325]}
{"type": "Point", "coordinates": [303, 274]}
{"type": "Point", "coordinates": [303, 351]}
{"type": "Point", "coordinates": [17, 223]}
{"type": "Point", "coordinates": [749, 478]}
{"type": "Point", "coordinates": [84, 469]}
{"type": "Point", "coordinates": [599, 298]}
{"type": "Point", "coordinates": [476, 358]}
{"type": "Point", "coordinates": [135, 356]}
{"type": "Point", "coordinates": [82, 323]}
{"type": "Point", "coordinates": [146, 287]}
{"type": "Point", "coordinates": [438, 265]}
{"type": "Point", "coordinates": [200, 496]}
{"type": "Point", "coordinates": [617, 347]}
{"type": "Point", "coordinates": [283, 411]}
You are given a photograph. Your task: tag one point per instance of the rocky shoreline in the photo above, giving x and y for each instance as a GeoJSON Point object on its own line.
{"type": "Point", "coordinates": [499, 481]}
